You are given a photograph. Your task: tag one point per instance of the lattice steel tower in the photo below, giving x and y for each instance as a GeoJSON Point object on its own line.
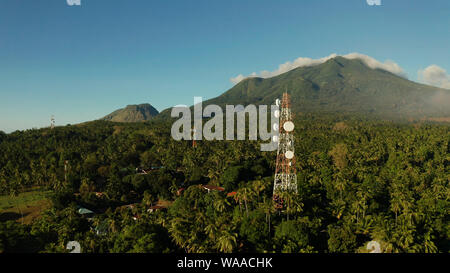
{"type": "Point", "coordinates": [52, 122]}
{"type": "Point", "coordinates": [285, 172]}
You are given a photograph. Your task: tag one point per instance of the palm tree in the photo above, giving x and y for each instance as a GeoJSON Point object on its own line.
{"type": "Point", "coordinates": [211, 230]}
{"type": "Point", "coordinates": [395, 206]}
{"type": "Point", "coordinates": [220, 204]}
{"type": "Point", "coordinates": [268, 208]}
{"type": "Point", "coordinates": [340, 184]}
{"type": "Point", "coordinates": [404, 234]}
{"type": "Point", "coordinates": [226, 241]}
{"type": "Point", "coordinates": [113, 226]}
{"type": "Point", "coordinates": [428, 244]}
{"type": "Point", "coordinates": [245, 194]}
{"type": "Point", "coordinates": [178, 231]}
{"type": "Point", "coordinates": [258, 187]}
{"type": "Point", "coordinates": [359, 206]}
{"type": "Point", "coordinates": [173, 190]}
{"type": "Point", "coordinates": [214, 174]}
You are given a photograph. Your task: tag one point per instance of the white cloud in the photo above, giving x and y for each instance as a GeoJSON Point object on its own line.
{"type": "Point", "coordinates": [388, 65]}
{"type": "Point", "coordinates": [237, 79]}
{"type": "Point", "coordinates": [435, 75]}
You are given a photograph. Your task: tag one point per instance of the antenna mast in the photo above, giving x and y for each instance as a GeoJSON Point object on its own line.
{"type": "Point", "coordinates": [66, 163]}
{"type": "Point", "coordinates": [285, 172]}
{"type": "Point", "coordinates": [194, 143]}
{"type": "Point", "coordinates": [52, 120]}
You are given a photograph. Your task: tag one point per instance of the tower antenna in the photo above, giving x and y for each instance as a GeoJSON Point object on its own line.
{"type": "Point", "coordinates": [285, 171]}
{"type": "Point", "coordinates": [66, 163]}
{"type": "Point", "coordinates": [194, 143]}
{"type": "Point", "coordinates": [52, 122]}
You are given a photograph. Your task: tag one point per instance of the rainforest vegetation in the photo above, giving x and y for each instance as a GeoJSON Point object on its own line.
{"type": "Point", "coordinates": [358, 180]}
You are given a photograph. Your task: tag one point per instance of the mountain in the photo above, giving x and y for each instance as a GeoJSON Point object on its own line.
{"type": "Point", "coordinates": [344, 86]}
{"type": "Point", "coordinates": [133, 113]}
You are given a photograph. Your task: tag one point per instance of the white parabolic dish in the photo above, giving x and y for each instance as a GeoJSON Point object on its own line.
{"type": "Point", "coordinates": [289, 154]}
{"type": "Point", "coordinates": [288, 126]}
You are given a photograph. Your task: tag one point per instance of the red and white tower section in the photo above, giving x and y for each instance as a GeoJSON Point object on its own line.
{"type": "Point", "coordinates": [285, 172]}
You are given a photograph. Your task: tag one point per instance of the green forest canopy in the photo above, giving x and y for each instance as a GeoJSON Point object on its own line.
{"type": "Point", "coordinates": [358, 180]}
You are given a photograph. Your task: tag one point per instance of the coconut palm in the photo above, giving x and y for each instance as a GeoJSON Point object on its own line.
{"type": "Point", "coordinates": [268, 207]}
{"type": "Point", "coordinates": [226, 241]}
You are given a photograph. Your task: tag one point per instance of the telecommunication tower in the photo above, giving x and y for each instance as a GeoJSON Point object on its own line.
{"type": "Point", "coordinates": [52, 120]}
{"type": "Point", "coordinates": [285, 172]}
{"type": "Point", "coordinates": [194, 143]}
{"type": "Point", "coordinates": [66, 163]}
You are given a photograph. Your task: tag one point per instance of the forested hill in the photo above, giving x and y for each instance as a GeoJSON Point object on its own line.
{"type": "Point", "coordinates": [358, 181]}
{"type": "Point", "coordinates": [344, 86]}
{"type": "Point", "coordinates": [133, 113]}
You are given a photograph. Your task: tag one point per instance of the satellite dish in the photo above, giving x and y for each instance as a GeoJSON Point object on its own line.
{"type": "Point", "coordinates": [277, 113]}
{"type": "Point", "coordinates": [277, 102]}
{"type": "Point", "coordinates": [275, 138]}
{"type": "Point", "coordinates": [74, 246]}
{"type": "Point", "coordinates": [289, 154]}
{"type": "Point", "coordinates": [374, 246]}
{"type": "Point", "coordinates": [275, 126]}
{"type": "Point", "coordinates": [288, 126]}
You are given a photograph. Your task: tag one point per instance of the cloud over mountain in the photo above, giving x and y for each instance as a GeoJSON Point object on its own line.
{"type": "Point", "coordinates": [435, 75]}
{"type": "Point", "coordinates": [387, 65]}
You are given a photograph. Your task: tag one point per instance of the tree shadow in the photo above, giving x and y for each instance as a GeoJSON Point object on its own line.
{"type": "Point", "coordinates": [7, 216]}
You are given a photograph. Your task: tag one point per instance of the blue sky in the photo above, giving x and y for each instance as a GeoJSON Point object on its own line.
{"type": "Point", "coordinates": [80, 63]}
